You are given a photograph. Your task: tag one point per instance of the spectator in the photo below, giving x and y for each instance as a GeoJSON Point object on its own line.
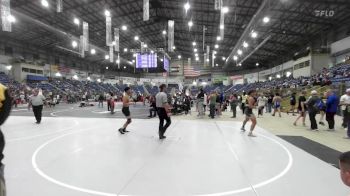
{"type": "Point", "coordinates": [331, 108]}
{"type": "Point", "coordinates": [312, 105]}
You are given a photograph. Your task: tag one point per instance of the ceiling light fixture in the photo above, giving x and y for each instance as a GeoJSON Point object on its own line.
{"type": "Point", "coordinates": [239, 52]}
{"type": "Point", "coordinates": [124, 28]}
{"type": "Point", "coordinates": [76, 21]}
{"type": "Point", "coordinates": [245, 44]}
{"type": "Point", "coordinates": [164, 32]}
{"type": "Point", "coordinates": [179, 57]}
{"type": "Point", "coordinates": [216, 46]}
{"type": "Point", "coordinates": [225, 10]}
{"type": "Point", "coordinates": [266, 19]}
{"type": "Point", "coordinates": [11, 18]}
{"type": "Point", "coordinates": [93, 51]}
{"type": "Point", "coordinates": [107, 57]}
{"type": "Point", "coordinates": [136, 38]}
{"type": "Point", "coordinates": [254, 34]}
{"type": "Point", "coordinates": [45, 3]}
{"type": "Point", "coordinates": [125, 50]}
{"type": "Point", "coordinates": [190, 23]}
{"type": "Point", "coordinates": [187, 6]}
{"type": "Point", "coordinates": [107, 13]}
{"type": "Point", "coordinates": [235, 58]}
{"type": "Point", "coordinates": [74, 44]}
{"type": "Point", "coordinates": [218, 38]}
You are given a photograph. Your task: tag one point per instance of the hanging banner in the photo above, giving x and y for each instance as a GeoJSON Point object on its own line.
{"type": "Point", "coordinates": [59, 6]}
{"type": "Point", "coordinates": [145, 10]}
{"type": "Point", "coordinates": [5, 14]}
{"type": "Point", "coordinates": [171, 24]}
{"type": "Point", "coordinates": [189, 62]}
{"type": "Point", "coordinates": [81, 47]}
{"type": "Point", "coordinates": [118, 61]}
{"type": "Point", "coordinates": [116, 39]}
{"type": "Point", "coordinates": [204, 29]}
{"type": "Point", "coordinates": [142, 47]}
{"type": "Point", "coordinates": [222, 23]}
{"type": "Point", "coordinates": [86, 36]}
{"type": "Point", "coordinates": [212, 58]}
{"type": "Point", "coordinates": [111, 54]}
{"type": "Point", "coordinates": [208, 55]}
{"type": "Point", "coordinates": [218, 4]}
{"type": "Point", "coordinates": [108, 30]}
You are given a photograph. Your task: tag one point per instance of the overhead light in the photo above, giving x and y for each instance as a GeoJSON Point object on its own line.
{"type": "Point", "coordinates": [88, 78]}
{"type": "Point", "coordinates": [152, 51]}
{"type": "Point", "coordinates": [107, 57]}
{"type": "Point", "coordinates": [136, 38]}
{"type": "Point", "coordinates": [240, 64]}
{"type": "Point", "coordinates": [134, 55]}
{"type": "Point", "coordinates": [214, 57]}
{"type": "Point", "coordinates": [164, 32]}
{"type": "Point", "coordinates": [225, 10]}
{"type": "Point", "coordinates": [207, 60]}
{"type": "Point", "coordinates": [11, 18]}
{"type": "Point", "coordinates": [113, 43]}
{"type": "Point", "coordinates": [195, 50]}
{"type": "Point", "coordinates": [76, 21]}
{"type": "Point", "coordinates": [222, 27]}
{"type": "Point", "coordinates": [179, 57]}
{"type": "Point", "coordinates": [288, 73]}
{"type": "Point", "coordinates": [194, 83]}
{"type": "Point", "coordinates": [75, 77]}
{"type": "Point", "coordinates": [145, 45]}
{"type": "Point", "coordinates": [125, 50]}
{"type": "Point", "coordinates": [107, 13]}
{"type": "Point", "coordinates": [133, 61]}
{"type": "Point", "coordinates": [196, 54]}
{"type": "Point", "coordinates": [93, 51]}
{"type": "Point", "coordinates": [257, 64]}
{"type": "Point", "coordinates": [216, 46]}
{"type": "Point", "coordinates": [194, 43]}
{"type": "Point", "coordinates": [214, 52]}
{"type": "Point", "coordinates": [218, 38]}
{"type": "Point", "coordinates": [98, 80]}
{"type": "Point", "coordinates": [124, 28]}
{"type": "Point", "coordinates": [74, 44]}
{"type": "Point", "coordinates": [223, 58]}
{"type": "Point", "coordinates": [45, 3]}
{"type": "Point", "coordinates": [278, 76]}
{"type": "Point", "coordinates": [161, 59]}
{"type": "Point", "coordinates": [190, 23]}
{"type": "Point", "coordinates": [117, 61]}
{"type": "Point", "coordinates": [217, 65]}
{"type": "Point", "coordinates": [245, 44]}
{"type": "Point", "coordinates": [187, 6]}
{"type": "Point", "coordinates": [197, 58]}
{"type": "Point", "coordinates": [235, 58]}
{"type": "Point", "coordinates": [254, 34]}
{"type": "Point", "coordinates": [266, 19]}
{"type": "Point", "coordinates": [270, 78]}
{"type": "Point", "coordinates": [106, 67]}
{"type": "Point", "coordinates": [174, 47]}
{"type": "Point", "coordinates": [58, 74]}
{"type": "Point", "coordinates": [124, 67]}
{"type": "Point", "coordinates": [239, 52]}
{"type": "Point", "coordinates": [9, 67]}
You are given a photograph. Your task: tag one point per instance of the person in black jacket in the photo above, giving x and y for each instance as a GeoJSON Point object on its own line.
{"type": "Point", "coordinates": [5, 108]}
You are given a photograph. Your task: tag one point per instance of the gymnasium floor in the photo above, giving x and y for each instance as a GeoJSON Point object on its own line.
{"type": "Point", "coordinates": [78, 151]}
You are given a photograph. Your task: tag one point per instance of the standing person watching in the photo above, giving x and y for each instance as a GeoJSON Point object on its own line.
{"type": "Point", "coordinates": [312, 105]}
{"type": "Point", "coordinates": [5, 109]}
{"type": "Point", "coordinates": [262, 100]}
{"type": "Point", "coordinates": [331, 108]}
{"type": "Point", "coordinates": [36, 101]}
{"type": "Point", "coordinates": [200, 100]}
{"type": "Point", "coordinates": [301, 108]}
{"type": "Point", "coordinates": [163, 109]}
{"type": "Point", "coordinates": [345, 105]}
{"type": "Point", "coordinates": [212, 104]}
{"type": "Point", "coordinates": [234, 103]}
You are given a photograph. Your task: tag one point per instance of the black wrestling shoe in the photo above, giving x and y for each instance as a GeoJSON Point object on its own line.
{"type": "Point", "coordinates": [162, 137]}
{"type": "Point", "coordinates": [125, 131]}
{"type": "Point", "coordinates": [121, 131]}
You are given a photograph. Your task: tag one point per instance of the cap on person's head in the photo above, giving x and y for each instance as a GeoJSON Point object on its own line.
{"type": "Point", "coordinates": [162, 86]}
{"type": "Point", "coordinates": [126, 89]}
{"type": "Point", "coordinates": [348, 90]}
{"type": "Point", "coordinates": [313, 92]}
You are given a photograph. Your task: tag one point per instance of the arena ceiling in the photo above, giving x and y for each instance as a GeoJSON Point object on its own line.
{"type": "Point", "coordinates": [293, 24]}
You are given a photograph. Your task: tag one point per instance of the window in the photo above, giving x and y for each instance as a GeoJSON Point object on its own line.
{"type": "Point", "coordinates": [32, 71]}
{"type": "Point", "coordinates": [25, 69]}
{"type": "Point", "coordinates": [39, 71]}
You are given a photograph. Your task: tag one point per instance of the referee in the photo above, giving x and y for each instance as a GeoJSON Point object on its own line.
{"type": "Point", "coordinates": [37, 102]}
{"type": "Point", "coordinates": [163, 110]}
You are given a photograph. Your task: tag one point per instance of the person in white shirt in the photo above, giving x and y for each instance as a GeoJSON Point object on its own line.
{"type": "Point", "coordinates": [345, 107]}
{"type": "Point", "coordinates": [163, 110]}
{"type": "Point", "coordinates": [37, 102]}
{"type": "Point", "coordinates": [262, 101]}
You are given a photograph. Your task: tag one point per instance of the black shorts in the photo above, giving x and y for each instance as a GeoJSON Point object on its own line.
{"type": "Point", "coordinates": [126, 111]}
{"type": "Point", "coordinates": [249, 113]}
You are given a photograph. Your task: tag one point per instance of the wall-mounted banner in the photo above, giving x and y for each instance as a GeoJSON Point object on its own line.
{"type": "Point", "coordinates": [59, 7]}
{"type": "Point", "coordinates": [111, 53]}
{"type": "Point", "coordinates": [5, 14]}
{"type": "Point", "coordinates": [86, 36]}
{"type": "Point", "coordinates": [116, 39]}
{"type": "Point", "coordinates": [222, 23]}
{"type": "Point", "coordinates": [108, 30]}
{"type": "Point", "coordinates": [145, 10]}
{"type": "Point", "coordinates": [171, 24]}
{"type": "Point", "coordinates": [218, 4]}
{"type": "Point", "coordinates": [81, 47]}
